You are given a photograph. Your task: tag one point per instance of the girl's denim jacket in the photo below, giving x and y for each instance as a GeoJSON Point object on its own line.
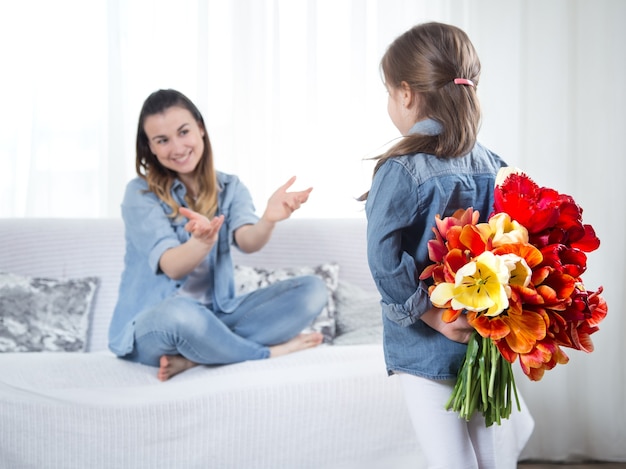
{"type": "Point", "coordinates": [406, 194]}
{"type": "Point", "coordinates": [150, 232]}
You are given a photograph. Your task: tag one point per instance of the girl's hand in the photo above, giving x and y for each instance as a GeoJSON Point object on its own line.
{"type": "Point", "coordinates": [201, 228]}
{"type": "Point", "coordinates": [282, 203]}
{"type": "Point", "coordinates": [458, 330]}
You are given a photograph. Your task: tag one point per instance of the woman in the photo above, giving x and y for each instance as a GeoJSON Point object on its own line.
{"type": "Point", "coordinates": [177, 306]}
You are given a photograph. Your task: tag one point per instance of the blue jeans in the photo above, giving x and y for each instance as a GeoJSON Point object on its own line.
{"type": "Point", "coordinates": [268, 316]}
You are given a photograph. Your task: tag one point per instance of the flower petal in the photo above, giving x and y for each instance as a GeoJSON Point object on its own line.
{"type": "Point", "coordinates": [491, 327]}
{"type": "Point", "coordinates": [526, 330]}
{"type": "Point", "coordinates": [442, 294]}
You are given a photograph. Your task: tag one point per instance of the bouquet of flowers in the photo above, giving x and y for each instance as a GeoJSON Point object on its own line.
{"type": "Point", "coordinates": [517, 277]}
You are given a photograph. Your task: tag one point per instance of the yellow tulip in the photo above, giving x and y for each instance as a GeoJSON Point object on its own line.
{"type": "Point", "coordinates": [480, 285]}
{"type": "Point", "coordinates": [506, 231]}
{"type": "Point", "coordinates": [519, 272]}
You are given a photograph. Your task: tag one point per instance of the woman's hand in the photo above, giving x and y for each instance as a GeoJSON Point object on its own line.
{"type": "Point", "coordinates": [201, 228]}
{"type": "Point", "coordinates": [251, 238]}
{"type": "Point", "coordinates": [458, 330]}
{"type": "Point", "coordinates": [282, 203]}
{"type": "Point", "coordinates": [179, 261]}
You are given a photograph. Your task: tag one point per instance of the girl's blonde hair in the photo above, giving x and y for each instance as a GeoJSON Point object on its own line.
{"type": "Point", "coordinates": [428, 58]}
{"type": "Point", "coordinates": [160, 178]}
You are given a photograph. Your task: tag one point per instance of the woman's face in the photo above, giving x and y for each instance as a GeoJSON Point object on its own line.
{"type": "Point", "coordinates": [176, 139]}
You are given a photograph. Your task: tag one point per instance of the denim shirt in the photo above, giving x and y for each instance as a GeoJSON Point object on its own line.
{"type": "Point", "coordinates": [406, 194]}
{"type": "Point", "coordinates": [149, 232]}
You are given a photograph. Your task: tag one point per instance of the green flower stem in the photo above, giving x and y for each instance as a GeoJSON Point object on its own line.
{"type": "Point", "coordinates": [485, 383]}
{"type": "Point", "coordinates": [483, 379]}
{"type": "Point", "coordinates": [514, 388]}
{"type": "Point", "coordinates": [469, 383]}
{"type": "Point", "coordinates": [494, 367]}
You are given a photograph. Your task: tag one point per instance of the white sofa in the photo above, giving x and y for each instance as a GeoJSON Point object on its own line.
{"type": "Point", "coordinates": [328, 407]}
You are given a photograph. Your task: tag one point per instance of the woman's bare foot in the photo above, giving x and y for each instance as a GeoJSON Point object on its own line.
{"type": "Point", "coordinates": [299, 342]}
{"type": "Point", "coordinates": [171, 365]}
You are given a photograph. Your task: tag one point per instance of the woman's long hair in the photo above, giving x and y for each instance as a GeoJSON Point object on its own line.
{"type": "Point", "coordinates": [428, 58]}
{"type": "Point", "coordinates": [160, 178]}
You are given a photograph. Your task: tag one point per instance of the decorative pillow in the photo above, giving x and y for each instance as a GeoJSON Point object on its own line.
{"type": "Point", "coordinates": [252, 278]}
{"type": "Point", "coordinates": [44, 314]}
{"type": "Point", "coordinates": [359, 317]}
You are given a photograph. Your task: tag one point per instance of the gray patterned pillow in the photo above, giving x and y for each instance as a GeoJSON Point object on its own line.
{"type": "Point", "coordinates": [44, 314]}
{"type": "Point", "coordinates": [251, 278]}
{"type": "Point", "coordinates": [359, 316]}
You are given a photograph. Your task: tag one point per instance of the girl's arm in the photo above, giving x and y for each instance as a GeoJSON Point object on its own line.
{"type": "Point", "coordinates": [391, 208]}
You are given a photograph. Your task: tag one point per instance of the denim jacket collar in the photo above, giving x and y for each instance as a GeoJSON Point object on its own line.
{"type": "Point", "coordinates": [180, 189]}
{"type": "Point", "coordinates": [426, 127]}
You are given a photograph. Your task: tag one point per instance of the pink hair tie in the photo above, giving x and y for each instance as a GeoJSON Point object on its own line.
{"type": "Point", "coordinates": [463, 81]}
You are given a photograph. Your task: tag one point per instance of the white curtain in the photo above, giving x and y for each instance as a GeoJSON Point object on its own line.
{"type": "Point", "coordinates": [292, 87]}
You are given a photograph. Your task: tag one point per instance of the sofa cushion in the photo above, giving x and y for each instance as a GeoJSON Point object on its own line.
{"type": "Point", "coordinates": [358, 316]}
{"type": "Point", "coordinates": [249, 278]}
{"type": "Point", "coordinates": [44, 314]}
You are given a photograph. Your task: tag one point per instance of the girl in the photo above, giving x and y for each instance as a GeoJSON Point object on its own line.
{"type": "Point", "coordinates": [431, 73]}
{"type": "Point", "coordinates": [177, 306]}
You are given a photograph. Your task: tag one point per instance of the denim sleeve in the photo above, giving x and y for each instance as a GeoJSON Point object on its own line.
{"type": "Point", "coordinates": [236, 205]}
{"type": "Point", "coordinates": [392, 207]}
{"type": "Point", "coordinates": [147, 225]}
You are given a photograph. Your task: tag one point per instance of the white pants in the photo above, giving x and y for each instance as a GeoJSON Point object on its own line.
{"type": "Point", "coordinates": [450, 442]}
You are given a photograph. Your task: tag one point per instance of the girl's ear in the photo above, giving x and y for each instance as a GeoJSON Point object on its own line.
{"type": "Point", "coordinates": [409, 98]}
{"type": "Point", "coordinates": [406, 94]}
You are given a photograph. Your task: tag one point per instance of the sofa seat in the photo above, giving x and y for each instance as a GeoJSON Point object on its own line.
{"type": "Point", "coordinates": [95, 410]}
